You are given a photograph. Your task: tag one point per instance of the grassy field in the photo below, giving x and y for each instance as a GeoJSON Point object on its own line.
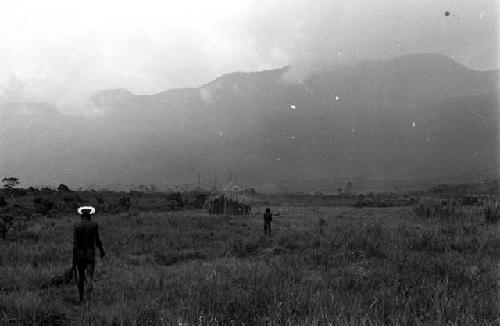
{"type": "Point", "coordinates": [322, 265]}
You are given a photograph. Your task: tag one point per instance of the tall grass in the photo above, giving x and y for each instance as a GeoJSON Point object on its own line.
{"type": "Point", "coordinates": [317, 268]}
{"type": "Point", "coordinates": [453, 209]}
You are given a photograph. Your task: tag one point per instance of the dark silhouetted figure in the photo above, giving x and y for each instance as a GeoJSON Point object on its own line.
{"type": "Point", "coordinates": [85, 239]}
{"type": "Point", "coordinates": [268, 217]}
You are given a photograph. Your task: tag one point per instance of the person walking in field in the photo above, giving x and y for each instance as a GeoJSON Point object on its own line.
{"type": "Point", "coordinates": [85, 239]}
{"type": "Point", "coordinates": [268, 218]}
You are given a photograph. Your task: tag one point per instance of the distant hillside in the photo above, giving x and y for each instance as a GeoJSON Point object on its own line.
{"type": "Point", "coordinates": [419, 118]}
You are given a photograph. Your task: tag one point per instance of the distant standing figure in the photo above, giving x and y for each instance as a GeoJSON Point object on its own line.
{"type": "Point", "coordinates": [85, 239]}
{"type": "Point", "coordinates": [268, 217]}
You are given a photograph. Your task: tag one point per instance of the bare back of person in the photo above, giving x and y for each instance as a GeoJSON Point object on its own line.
{"type": "Point", "coordinates": [85, 240]}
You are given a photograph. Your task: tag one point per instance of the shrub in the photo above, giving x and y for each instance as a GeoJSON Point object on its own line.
{"type": "Point", "coordinates": [177, 197]}
{"type": "Point", "coordinates": [491, 213]}
{"type": "Point", "coordinates": [125, 202]}
{"type": "Point", "coordinates": [43, 205]}
{"type": "Point", "coordinates": [46, 191]}
{"type": "Point", "coordinates": [63, 188]}
{"type": "Point", "coordinates": [135, 193]}
{"type": "Point", "coordinates": [18, 192]}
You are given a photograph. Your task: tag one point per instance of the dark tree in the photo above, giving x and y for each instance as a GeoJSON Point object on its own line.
{"type": "Point", "coordinates": [10, 182]}
{"type": "Point", "coordinates": [63, 188]}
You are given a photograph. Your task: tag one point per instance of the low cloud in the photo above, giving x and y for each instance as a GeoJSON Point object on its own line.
{"type": "Point", "coordinates": [60, 53]}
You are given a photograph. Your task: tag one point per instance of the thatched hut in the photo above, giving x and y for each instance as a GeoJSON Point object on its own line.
{"type": "Point", "coordinates": [228, 203]}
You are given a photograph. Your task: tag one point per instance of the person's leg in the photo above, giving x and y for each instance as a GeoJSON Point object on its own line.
{"type": "Point", "coordinates": [81, 279]}
{"type": "Point", "coordinates": [89, 276]}
{"type": "Point", "coordinates": [267, 228]}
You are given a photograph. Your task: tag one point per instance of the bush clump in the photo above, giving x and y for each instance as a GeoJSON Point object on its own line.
{"type": "Point", "coordinates": [43, 205]}
{"type": "Point", "coordinates": [491, 213]}
{"type": "Point", "coordinates": [125, 203]}
{"type": "Point", "coordinates": [63, 188]}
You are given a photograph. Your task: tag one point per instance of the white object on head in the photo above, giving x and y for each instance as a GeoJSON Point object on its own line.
{"type": "Point", "coordinates": [92, 209]}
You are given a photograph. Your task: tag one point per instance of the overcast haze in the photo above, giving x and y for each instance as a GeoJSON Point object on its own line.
{"type": "Point", "coordinates": [61, 51]}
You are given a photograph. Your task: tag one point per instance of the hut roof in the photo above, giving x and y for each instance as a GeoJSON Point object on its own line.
{"type": "Point", "coordinates": [231, 191]}
{"type": "Point", "coordinates": [230, 195]}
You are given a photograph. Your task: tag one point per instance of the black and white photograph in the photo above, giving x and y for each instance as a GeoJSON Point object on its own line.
{"type": "Point", "coordinates": [249, 162]}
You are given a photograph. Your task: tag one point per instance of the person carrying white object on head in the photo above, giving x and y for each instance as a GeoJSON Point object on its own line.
{"type": "Point", "coordinates": [90, 210]}
{"type": "Point", "coordinates": [85, 239]}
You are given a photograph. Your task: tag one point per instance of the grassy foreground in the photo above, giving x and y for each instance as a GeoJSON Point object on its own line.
{"type": "Point", "coordinates": [321, 266]}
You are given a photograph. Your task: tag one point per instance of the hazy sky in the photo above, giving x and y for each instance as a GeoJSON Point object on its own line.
{"type": "Point", "coordinates": [61, 51]}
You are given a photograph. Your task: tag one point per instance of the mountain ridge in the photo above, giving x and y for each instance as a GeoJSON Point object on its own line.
{"type": "Point", "coordinates": [360, 64]}
{"type": "Point", "coordinates": [368, 121]}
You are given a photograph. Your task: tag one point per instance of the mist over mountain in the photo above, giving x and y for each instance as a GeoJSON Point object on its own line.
{"type": "Point", "coordinates": [420, 118]}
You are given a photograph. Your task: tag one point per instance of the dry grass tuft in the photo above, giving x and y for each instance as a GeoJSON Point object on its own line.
{"type": "Point", "coordinates": [321, 266]}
